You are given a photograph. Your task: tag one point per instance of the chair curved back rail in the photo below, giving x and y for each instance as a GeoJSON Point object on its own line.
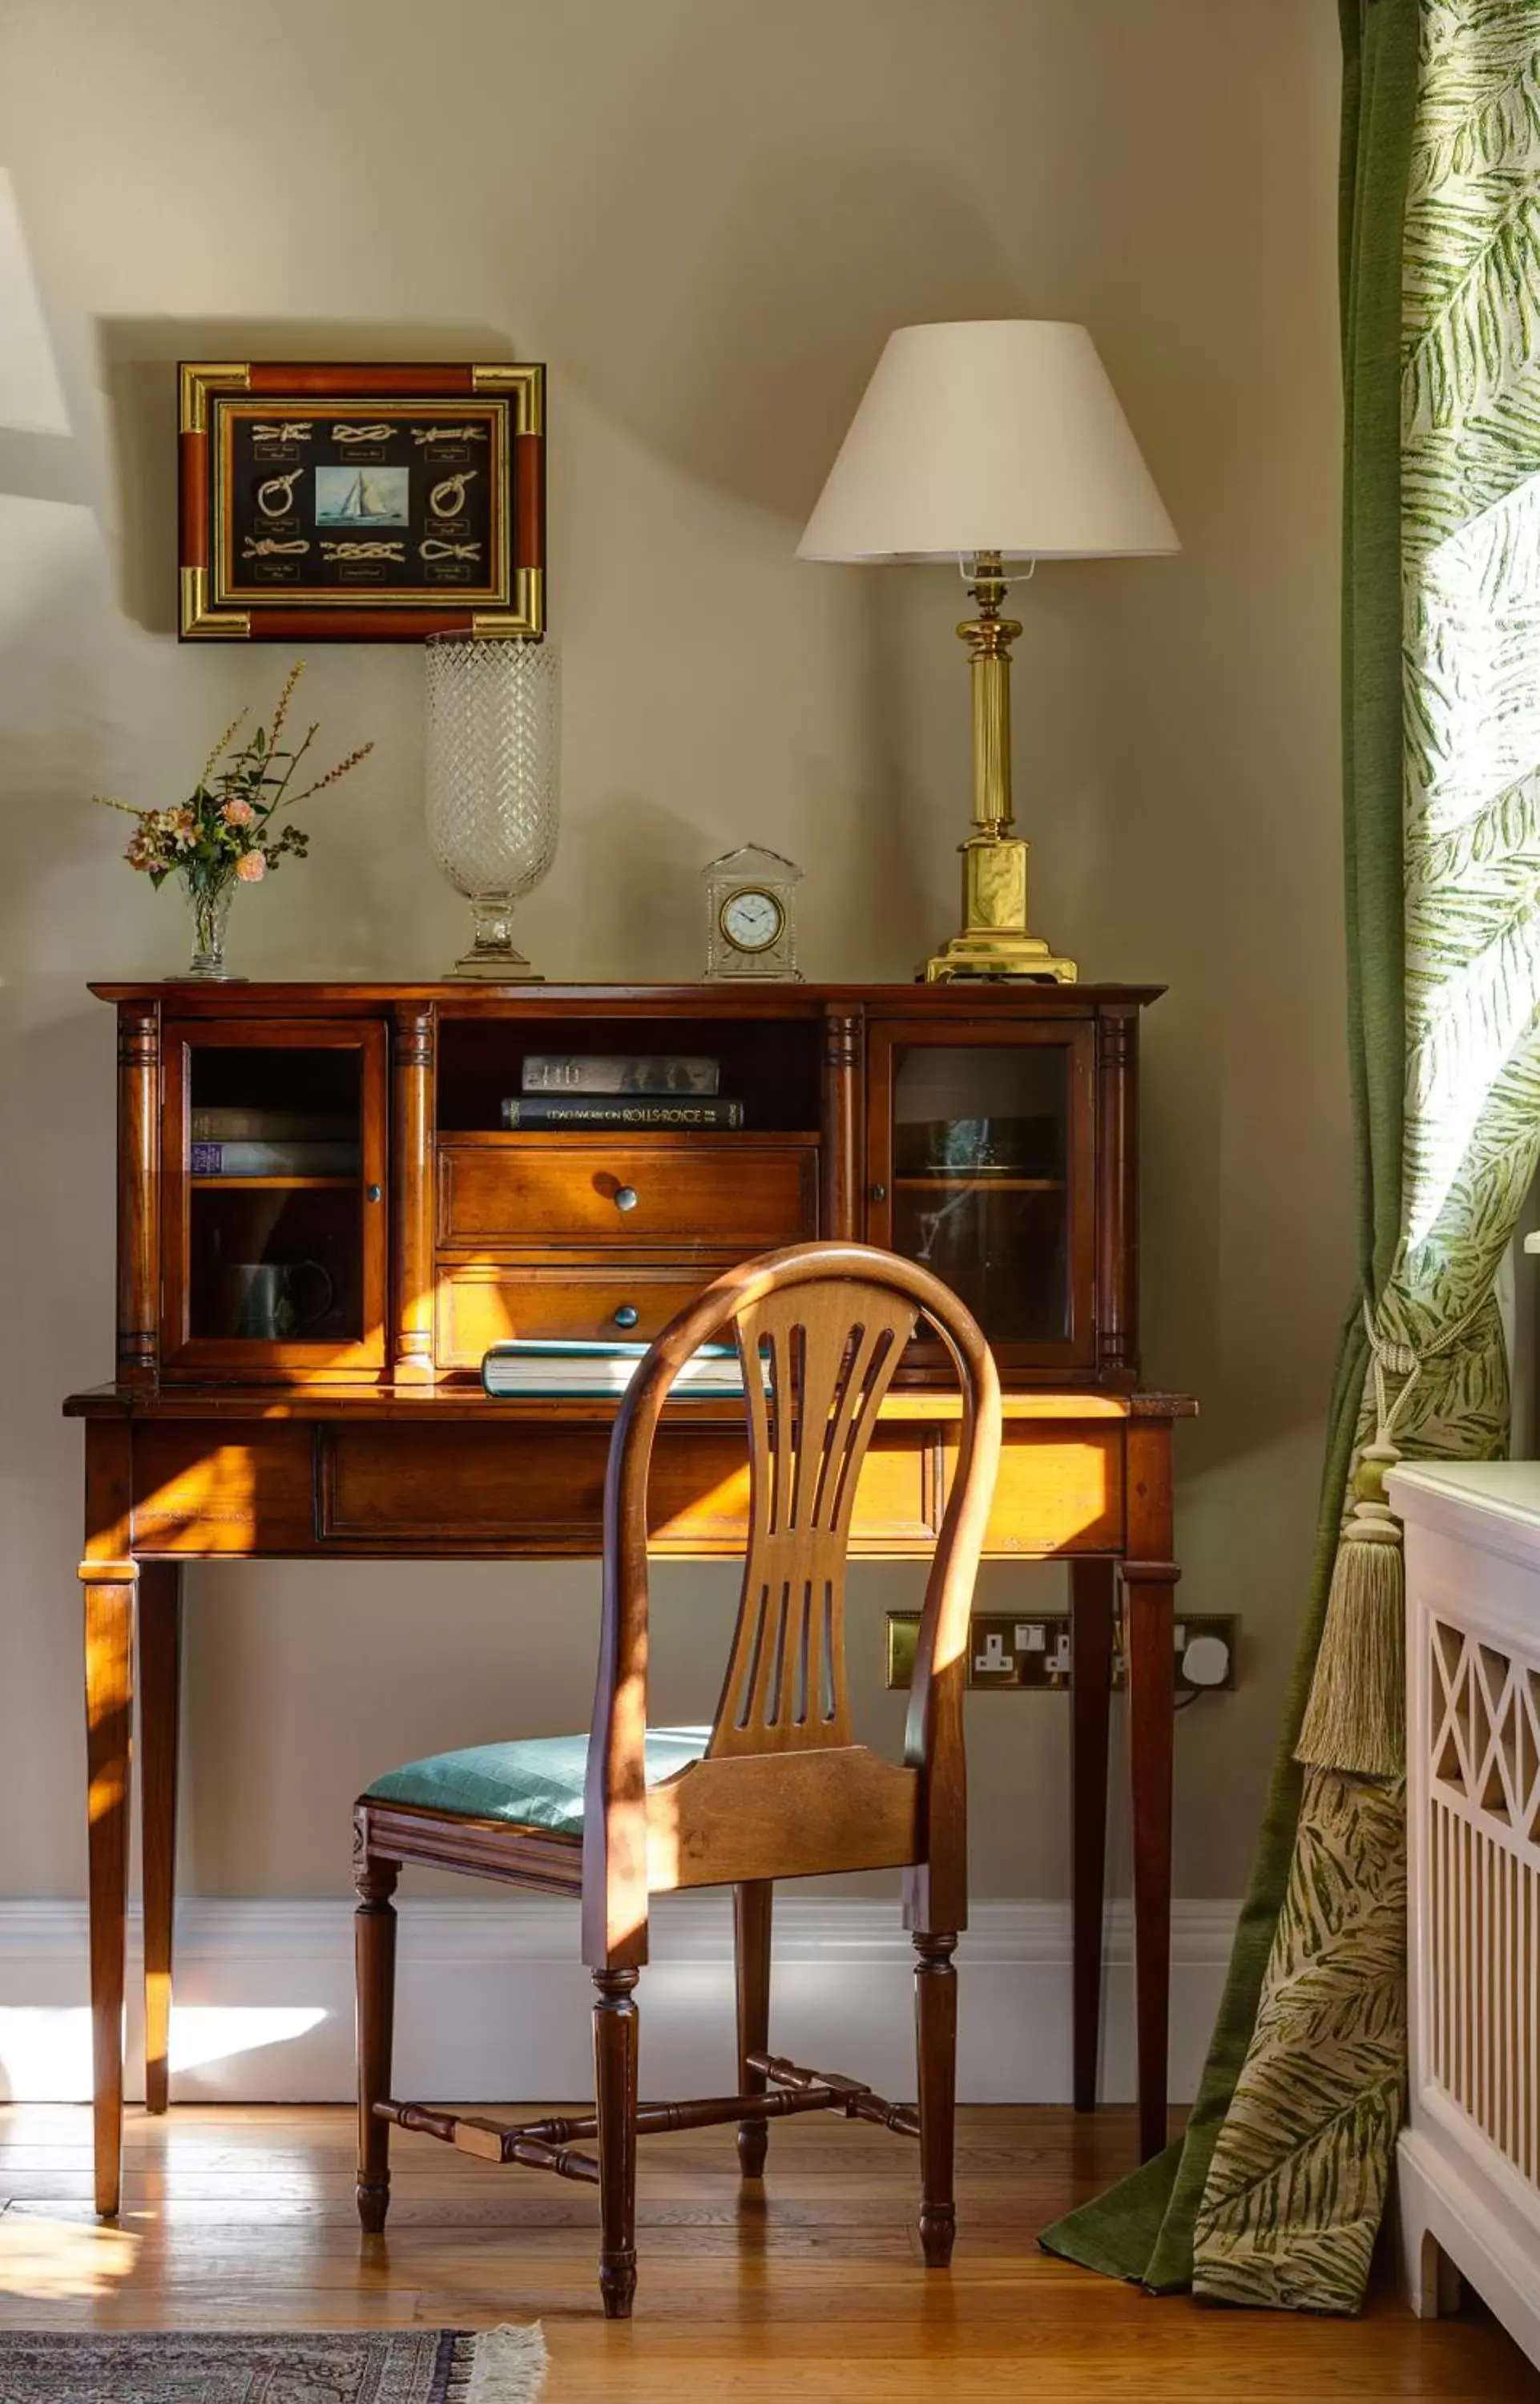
{"type": "Point", "coordinates": [783, 1791]}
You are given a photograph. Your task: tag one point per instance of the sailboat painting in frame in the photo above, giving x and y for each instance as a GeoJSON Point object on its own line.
{"type": "Point", "coordinates": [362, 504]}
{"type": "Point", "coordinates": [357, 497]}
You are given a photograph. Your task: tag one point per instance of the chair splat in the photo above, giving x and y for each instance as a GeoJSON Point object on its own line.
{"type": "Point", "coordinates": [830, 1351]}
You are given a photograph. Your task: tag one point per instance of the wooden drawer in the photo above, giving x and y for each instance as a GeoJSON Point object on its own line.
{"type": "Point", "coordinates": [531, 1485]}
{"type": "Point", "coordinates": [729, 1196]}
{"type": "Point", "coordinates": [479, 1303]}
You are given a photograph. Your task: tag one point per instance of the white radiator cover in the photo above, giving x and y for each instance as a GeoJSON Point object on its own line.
{"type": "Point", "coordinates": [1469, 2158]}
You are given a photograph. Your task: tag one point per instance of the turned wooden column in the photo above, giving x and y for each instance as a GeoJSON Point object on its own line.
{"type": "Point", "coordinates": [412, 1155]}
{"type": "Point", "coordinates": [138, 1193]}
{"type": "Point", "coordinates": [840, 1216]}
{"type": "Point", "coordinates": [1117, 1199]}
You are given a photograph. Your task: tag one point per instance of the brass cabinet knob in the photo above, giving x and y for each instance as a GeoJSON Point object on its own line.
{"type": "Point", "coordinates": [627, 1314]}
{"type": "Point", "coordinates": [373, 1193]}
{"type": "Point", "coordinates": [626, 1197]}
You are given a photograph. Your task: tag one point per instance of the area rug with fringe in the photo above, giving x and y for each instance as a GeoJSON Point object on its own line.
{"type": "Point", "coordinates": [499, 2365]}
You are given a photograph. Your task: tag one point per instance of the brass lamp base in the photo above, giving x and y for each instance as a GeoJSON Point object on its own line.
{"type": "Point", "coordinates": [989, 954]}
{"type": "Point", "coordinates": [995, 940]}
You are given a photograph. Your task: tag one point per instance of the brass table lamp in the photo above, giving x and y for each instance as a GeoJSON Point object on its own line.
{"type": "Point", "coordinates": [986, 444]}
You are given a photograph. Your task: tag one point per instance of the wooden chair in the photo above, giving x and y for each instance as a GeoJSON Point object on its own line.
{"type": "Point", "coordinates": [776, 1788]}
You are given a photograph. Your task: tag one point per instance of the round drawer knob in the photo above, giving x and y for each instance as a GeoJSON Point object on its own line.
{"type": "Point", "coordinates": [627, 1314]}
{"type": "Point", "coordinates": [372, 1193]}
{"type": "Point", "coordinates": [626, 1197]}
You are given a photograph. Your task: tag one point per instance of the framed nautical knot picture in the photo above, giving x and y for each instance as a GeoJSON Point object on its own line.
{"type": "Point", "coordinates": [362, 504]}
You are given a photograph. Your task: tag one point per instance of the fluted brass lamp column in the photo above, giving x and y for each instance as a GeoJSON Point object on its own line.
{"type": "Point", "coordinates": [985, 444]}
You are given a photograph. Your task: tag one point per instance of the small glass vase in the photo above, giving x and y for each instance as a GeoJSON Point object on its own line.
{"type": "Point", "coordinates": [208, 900]}
{"type": "Point", "coordinates": [493, 738]}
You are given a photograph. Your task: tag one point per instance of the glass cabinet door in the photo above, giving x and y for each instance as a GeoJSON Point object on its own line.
{"type": "Point", "coordinates": [979, 1169]}
{"type": "Point", "coordinates": [272, 1154]}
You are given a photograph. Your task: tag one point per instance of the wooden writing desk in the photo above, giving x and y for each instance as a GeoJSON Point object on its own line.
{"type": "Point", "coordinates": [361, 1434]}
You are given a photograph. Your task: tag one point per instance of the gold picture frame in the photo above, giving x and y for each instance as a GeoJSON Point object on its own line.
{"type": "Point", "coordinates": [356, 503]}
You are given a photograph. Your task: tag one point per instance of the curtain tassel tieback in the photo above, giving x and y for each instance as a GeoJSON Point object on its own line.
{"type": "Point", "coordinates": [1355, 1720]}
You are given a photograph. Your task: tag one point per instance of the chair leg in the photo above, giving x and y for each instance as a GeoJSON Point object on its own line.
{"type": "Point", "coordinates": [615, 2028]}
{"type": "Point", "coordinates": [375, 1932]}
{"type": "Point", "coordinates": [936, 2024]}
{"type": "Point", "coordinates": [751, 1909]}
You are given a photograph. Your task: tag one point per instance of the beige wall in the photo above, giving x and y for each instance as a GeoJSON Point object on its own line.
{"type": "Point", "coordinates": [706, 215]}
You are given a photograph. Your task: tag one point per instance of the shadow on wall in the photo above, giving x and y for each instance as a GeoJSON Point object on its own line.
{"type": "Point", "coordinates": [738, 357]}
{"type": "Point", "coordinates": [812, 262]}
{"type": "Point", "coordinates": [866, 837]}
{"type": "Point", "coordinates": [138, 358]}
{"type": "Point", "coordinates": [87, 596]}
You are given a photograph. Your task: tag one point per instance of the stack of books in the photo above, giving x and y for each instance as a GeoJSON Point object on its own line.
{"type": "Point", "coordinates": [229, 1142]}
{"type": "Point", "coordinates": [643, 1090]}
{"type": "Point", "coordinates": [540, 1368]}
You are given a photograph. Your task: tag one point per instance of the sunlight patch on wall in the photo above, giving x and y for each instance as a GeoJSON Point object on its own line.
{"type": "Point", "coordinates": [204, 2032]}
{"type": "Point", "coordinates": [45, 2052]}
{"type": "Point", "coordinates": [32, 400]}
{"type": "Point", "coordinates": [47, 548]}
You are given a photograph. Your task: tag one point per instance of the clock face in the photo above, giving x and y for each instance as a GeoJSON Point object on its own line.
{"type": "Point", "coordinates": [751, 919]}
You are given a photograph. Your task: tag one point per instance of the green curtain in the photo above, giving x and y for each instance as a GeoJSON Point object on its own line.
{"type": "Point", "coordinates": [1277, 2193]}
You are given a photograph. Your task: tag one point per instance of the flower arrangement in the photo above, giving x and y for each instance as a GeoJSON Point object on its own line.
{"type": "Point", "coordinates": [224, 835]}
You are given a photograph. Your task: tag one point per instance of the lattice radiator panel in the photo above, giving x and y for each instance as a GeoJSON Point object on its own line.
{"type": "Point", "coordinates": [1468, 2160]}
{"type": "Point", "coordinates": [1481, 1889]}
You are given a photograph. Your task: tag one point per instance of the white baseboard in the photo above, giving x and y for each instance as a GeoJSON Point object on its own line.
{"type": "Point", "coordinates": [493, 2000]}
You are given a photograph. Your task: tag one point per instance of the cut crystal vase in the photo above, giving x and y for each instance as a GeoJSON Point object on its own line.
{"type": "Point", "coordinates": [493, 760]}
{"type": "Point", "coordinates": [208, 899]}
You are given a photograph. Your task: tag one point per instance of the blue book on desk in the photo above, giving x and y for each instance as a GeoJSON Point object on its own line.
{"type": "Point", "coordinates": [548, 1367]}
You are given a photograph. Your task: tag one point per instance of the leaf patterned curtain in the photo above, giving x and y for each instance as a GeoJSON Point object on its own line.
{"type": "Point", "coordinates": [1276, 2195]}
{"type": "Point", "coordinates": [1298, 2178]}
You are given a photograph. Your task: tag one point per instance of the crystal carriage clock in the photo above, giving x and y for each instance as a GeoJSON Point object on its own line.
{"type": "Point", "coordinates": [751, 901]}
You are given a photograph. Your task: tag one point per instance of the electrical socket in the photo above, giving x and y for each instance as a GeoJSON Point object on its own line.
{"type": "Point", "coordinates": [1017, 1654]}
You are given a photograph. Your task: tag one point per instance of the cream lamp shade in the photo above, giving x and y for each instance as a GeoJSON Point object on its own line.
{"type": "Point", "coordinates": [1000, 436]}
{"type": "Point", "coordinates": [984, 443]}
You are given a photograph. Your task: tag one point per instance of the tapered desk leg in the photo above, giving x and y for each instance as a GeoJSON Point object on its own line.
{"type": "Point", "coordinates": [160, 1683]}
{"type": "Point", "coordinates": [1149, 1601]}
{"type": "Point", "coordinates": [1092, 1584]}
{"type": "Point", "coordinates": [1149, 1580]}
{"type": "Point", "coordinates": [109, 1707]}
{"type": "Point", "coordinates": [754, 1902]}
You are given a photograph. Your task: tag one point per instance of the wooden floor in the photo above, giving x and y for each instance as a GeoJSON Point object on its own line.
{"type": "Point", "coordinates": [810, 2288]}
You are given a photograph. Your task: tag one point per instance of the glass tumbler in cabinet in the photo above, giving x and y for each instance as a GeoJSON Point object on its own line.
{"type": "Point", "coordinates": [979, 1156]}
{"type": "Point", "coordinates": [274, 1223]}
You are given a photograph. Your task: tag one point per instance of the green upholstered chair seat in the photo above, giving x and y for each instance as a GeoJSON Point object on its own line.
{"type": "Point", "coordinates": [537, 1782]}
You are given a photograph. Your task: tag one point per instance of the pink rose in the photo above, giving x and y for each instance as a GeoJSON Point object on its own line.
{"type": "Point", "coordinates": [251, 868]}
{"type": "Point", "coordinates": [238, 814]}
